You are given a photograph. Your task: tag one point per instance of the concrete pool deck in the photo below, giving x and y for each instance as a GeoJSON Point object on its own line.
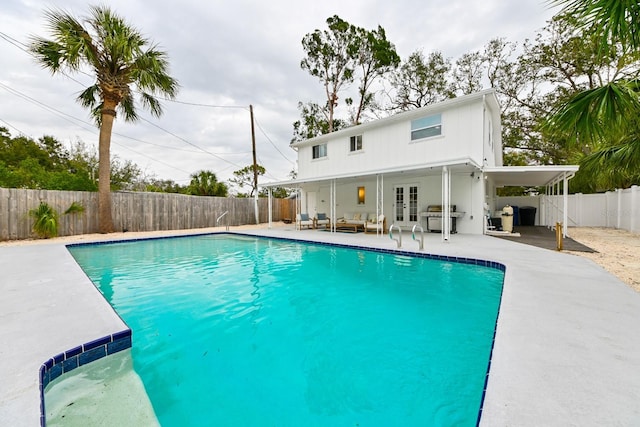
{"type": "Point", "coordinates": [567, 348]}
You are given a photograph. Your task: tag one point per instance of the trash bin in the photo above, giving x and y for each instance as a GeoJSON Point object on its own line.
{"type": "Point", "coordinates": [516, 216]}
{"type": "Point", "coordinates": [527, 215]}
{"type": "Point", "coordinates": [507, 219]}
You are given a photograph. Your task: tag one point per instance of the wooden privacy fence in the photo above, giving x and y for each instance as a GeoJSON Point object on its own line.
{"type": "Point", "coordinates": [132, 211]}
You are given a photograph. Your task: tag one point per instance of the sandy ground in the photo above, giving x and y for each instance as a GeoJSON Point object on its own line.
{"type": "Point", "coordinates": [618, 251]}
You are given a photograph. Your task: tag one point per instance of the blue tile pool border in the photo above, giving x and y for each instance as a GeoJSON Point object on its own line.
{"type": "Point", "coordinates": [446, 258]}
{"type": "Point", "coordinates": [461, 260]}
{"type": "Point", "coordinates": [78, 356]}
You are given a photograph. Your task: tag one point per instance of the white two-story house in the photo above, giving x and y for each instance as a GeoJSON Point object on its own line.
{"type": "Point", "coordinates": [447, 155]}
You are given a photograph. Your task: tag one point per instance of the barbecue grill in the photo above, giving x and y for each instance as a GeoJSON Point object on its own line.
{"type": "Point", "coordinates": [434, 218]}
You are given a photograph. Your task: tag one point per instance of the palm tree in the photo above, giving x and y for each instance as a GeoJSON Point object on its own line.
{"type": "Point", "coordinates": [120, 58]}
{"type": "Point", "coordinates": [205, 183]}
{"type": "Point", "coordinates": [607, 113]}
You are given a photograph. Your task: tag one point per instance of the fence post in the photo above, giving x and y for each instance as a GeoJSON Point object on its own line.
{"type": "Point", "coordinates": [619, 213]}
{"type": "Point", "coordinates": [559, 236]}
{"type": "Point", "coordinates": [633, 209]}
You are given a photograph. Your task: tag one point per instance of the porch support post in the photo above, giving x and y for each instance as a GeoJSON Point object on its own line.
{"type": "Point", "coordinates": [446, 200]}
{"type": "Point", "coordinates": [565, 202]}
{"type": "Point", "coordinates": [334, 211]}
{"type": "Point", "coordinates": [270, 207]}
{"type": "Point", "coordinates": [379, 200]}
{"type": "Point", "coordinates": [298, 205]}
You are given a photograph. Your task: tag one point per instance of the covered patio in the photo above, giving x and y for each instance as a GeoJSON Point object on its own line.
{"type": "Point", "coordinates": [461, 188]}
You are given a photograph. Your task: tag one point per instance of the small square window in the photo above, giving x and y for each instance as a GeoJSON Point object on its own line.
{"type": "Point", "coordinates": [426, 127]}
{"type": "Point", "coordinates": [355, 143]}
{"type": "Point", "coordinates": [319, 151]}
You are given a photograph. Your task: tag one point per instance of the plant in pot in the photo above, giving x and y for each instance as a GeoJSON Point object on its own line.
{"type": "Point", "coordinates": [46, 221]}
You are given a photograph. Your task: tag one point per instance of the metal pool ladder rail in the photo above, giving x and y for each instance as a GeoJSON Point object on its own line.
{"type": "Point", "coordinates": [413, 236]}
{"type": "Point", "coordinates": [220, 217]}
{"type": "Point", "coordinates": [399, 239]}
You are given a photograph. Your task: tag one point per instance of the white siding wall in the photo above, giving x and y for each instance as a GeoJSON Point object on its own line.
{"type": "Point", "coordinates": [390, 146]}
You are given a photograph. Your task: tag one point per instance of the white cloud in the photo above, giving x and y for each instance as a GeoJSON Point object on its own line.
{"type": "Point", "coordinates": [234, 54]}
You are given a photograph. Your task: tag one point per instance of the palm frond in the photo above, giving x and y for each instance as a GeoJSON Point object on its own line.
{"type": "Point", "coordinates": [150, 72]}
{"type": "Point", "coordinates": [596, 113]}
{"type": "Point", "coordinates": [151, 103]}
{"type": "Point", "coordinates": [127, 108]}
{"type": "Point", "coordinates": [613, 20]}
{"type": "Point", "coordinates": [623, 157]}
{"type": "Point", "coordinates": [90, 97]}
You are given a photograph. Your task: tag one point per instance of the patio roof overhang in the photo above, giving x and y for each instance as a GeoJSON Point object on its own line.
{"type": "Point", "coordinates": [503, 176]}
{"type": "Point", "coordinates": [423, 169]}
{"type": "Point", "coordinates": [530, 176]}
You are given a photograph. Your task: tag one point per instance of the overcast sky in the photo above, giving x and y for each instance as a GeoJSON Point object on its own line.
{"type": "Point", "coordinates": [230, 54]}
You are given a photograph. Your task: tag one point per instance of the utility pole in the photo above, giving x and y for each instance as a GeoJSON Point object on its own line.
{"type": "Point", "coordinates": [255, 166]}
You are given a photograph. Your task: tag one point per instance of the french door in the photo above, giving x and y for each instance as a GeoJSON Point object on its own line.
{"type": "Point", "coordinates": [405, 205]}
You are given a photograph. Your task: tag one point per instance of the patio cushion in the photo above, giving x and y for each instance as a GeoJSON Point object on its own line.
{"type": "Point", "coordinates": [322, 216]}
{"type": "Point", "coordinates": [304, 217]}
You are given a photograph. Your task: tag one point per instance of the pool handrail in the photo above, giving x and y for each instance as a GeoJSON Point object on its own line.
{"type": "Point", "coordinates": [220, 217]}
{"type": "Point", "coordinates": [413, 236]}
{"type": "Point", "coordinates": [399, 239]}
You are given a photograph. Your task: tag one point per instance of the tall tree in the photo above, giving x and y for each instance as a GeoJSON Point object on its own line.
{"type": "Point", "coordinates": [205, 183]}
{"type": "Point", "coordinates": [121, 59]}
{"type": "Point", "coordinates": [314, 121]}
{"type": "Point", "coordinates": [375, 57]}
{"type": "Point", "coordinates": [330, 57]}
{"type": "Point", "coordinates": [468, 73]}
{"type": "Point", "coordinates": [421, 81]}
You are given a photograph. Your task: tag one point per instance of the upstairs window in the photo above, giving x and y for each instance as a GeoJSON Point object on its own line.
{"type": "Point", "coordinates": [319, 151]}
{"type": "Point", "coordinates": [355, 143]}
{"type": "Point", "coordinates": [426, 127]}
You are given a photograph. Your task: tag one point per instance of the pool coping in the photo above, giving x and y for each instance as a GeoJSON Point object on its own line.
{"type": "Point", "coordinates": [421, 255]}
{"type": "Point", "coordinates": [566, 341]}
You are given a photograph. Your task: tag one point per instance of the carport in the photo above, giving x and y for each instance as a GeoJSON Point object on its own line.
{"type": "Point", "coordinates": [555, 178]}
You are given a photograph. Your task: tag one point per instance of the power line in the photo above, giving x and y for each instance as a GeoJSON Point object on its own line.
{"type": "Point", "coordinates": [12, 126]}
{"type": "Point", "coordinates": [274, 145]}
{"type": "Point", "coordinates": [190, 143]}
{"type": "Point", "coordinates": [24, 47]}
{"type": "Point", "coordinates": [81, 123]}
{"type": "Point", "coordinates": [15, 42]}
{"type": "Point", "coordinates": [149, 157]}
{"type": "Point", "coordinates": [196, 104]}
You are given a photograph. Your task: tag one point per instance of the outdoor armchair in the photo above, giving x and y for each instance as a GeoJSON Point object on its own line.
{"type": "Point", "coordinates": [373, 227]}
{"type": "Point", "coordinates": [321, 219]}
{"type": "Point", "coordinates": [303, 220]}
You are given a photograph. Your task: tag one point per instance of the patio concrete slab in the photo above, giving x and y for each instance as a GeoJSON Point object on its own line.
{"type": "Point", "coordinates": [47, 306]}
{"type": "Point", "coordinates": [567, 349]}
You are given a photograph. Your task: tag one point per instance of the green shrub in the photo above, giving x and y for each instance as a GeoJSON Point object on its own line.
{"type": "Point", "coordinates": [46, 221]}
{"type": "Point", "coordinates": [74, 208]}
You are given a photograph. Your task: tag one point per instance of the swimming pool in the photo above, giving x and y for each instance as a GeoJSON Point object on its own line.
{"type": "Point", "coordinates": [238, 330]}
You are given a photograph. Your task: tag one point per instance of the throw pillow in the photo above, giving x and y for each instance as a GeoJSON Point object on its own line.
{"type": "Point", "coordinates": [304, 217]}
{"type": "Point", "coordinates": [322, 216]}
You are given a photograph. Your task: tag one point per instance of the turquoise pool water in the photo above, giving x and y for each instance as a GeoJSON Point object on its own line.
{"type": "Point", "coordinates": [232, 330]}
